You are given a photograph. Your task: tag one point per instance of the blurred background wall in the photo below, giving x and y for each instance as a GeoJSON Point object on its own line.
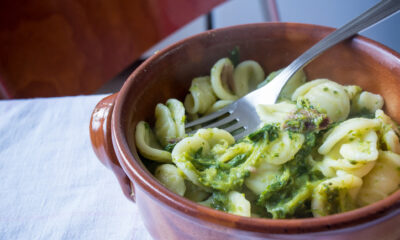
{"type": "Point", "coordinates": [333, 13]}
{"type": "Point", "coordinates": [55, 48]}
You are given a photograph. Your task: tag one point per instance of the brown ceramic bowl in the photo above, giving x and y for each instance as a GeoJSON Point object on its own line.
{"type": "Point", "coordinates": [168, 74]}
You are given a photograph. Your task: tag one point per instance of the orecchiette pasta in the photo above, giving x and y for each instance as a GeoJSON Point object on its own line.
{"type": "Point", "coordinates": [283, 148]}
{"type": "Point", "coordinates": [303, 89]}
{"type": "Point", "coordinates": [362, 148]}
{"type": "Point", "coordinates": [309, 158]}
{"type": "Point", "coordinates": [182, 152]}
{"type": "Point", "coordinates": [352, 91]}
{"type": "Point", "coordinates": [382, 180]}
{"type": "Point", "coordinates": [277, 153]}
{"type": "Point", "coordinates": [336, 194]}
{"type": "Point", "coordinates": [165, 125]}
{"type": "Point", "coordinates": [222, 78]}
{"type": "Point", "coordinates": [353, 151]}
{"type": "Point", "coordinates": [246, 76]}
{"type": "Point", "coordinates": [346, 128]}
{"type": "Point", "coordinates": [170, 121]}
{"type": "Point", "coordinates": [218, 105]}
{"type": "Point", "coordinates": [202, 142]}
{"type": "Point", "coordinates": [366, 101]}
{"type": "Point", "coordinates": [215, 136]}
{"type": "Point", "coordinates": [178, 115]}
{"type": "Point", "coordinates": [389, 132]}
{"type": "Point", "coordinates": [148, 145]}
{"type": "Point", "coordinates": [201, 96]}
{"type": "Point", "coordinates": [391, 141]}
{"type": "Point", "coordinates": [170, 177]}
{"type": "Point", "coordinates": [275, 113]}
{"type": "Point", "coordinates": [329, 166]}
{"type": "Point", "coordinates": [262, 176]}
{"type": "Point", "coordinates": [238, 204]}
{"type": "Point", "coordinates": [327, 96]}
{"type": "Point", "coordinates": [386, 121]}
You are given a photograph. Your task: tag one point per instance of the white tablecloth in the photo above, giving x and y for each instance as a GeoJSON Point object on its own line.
{"type": "Point", "coordinates": [52, 185]}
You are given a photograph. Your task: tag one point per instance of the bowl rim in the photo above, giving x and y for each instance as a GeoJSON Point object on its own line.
{"type": "Point", "coordinates": [365, 215]}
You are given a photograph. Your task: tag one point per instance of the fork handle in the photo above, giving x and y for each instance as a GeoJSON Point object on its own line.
{"type": "Point", "coordinates": [372, 16]}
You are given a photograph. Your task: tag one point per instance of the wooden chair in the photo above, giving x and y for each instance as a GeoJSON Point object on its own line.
{"type": "Point", "coordinates": [56, 48]}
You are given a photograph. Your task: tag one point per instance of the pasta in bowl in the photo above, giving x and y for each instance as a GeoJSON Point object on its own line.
{"type": "Point", "coordinates": [211, 195]}
{"type": "Point", "coordinates": [323, 148]}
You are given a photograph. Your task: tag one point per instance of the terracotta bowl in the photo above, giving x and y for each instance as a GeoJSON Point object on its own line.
{"type": "Point", "coordinates": [168, 74]}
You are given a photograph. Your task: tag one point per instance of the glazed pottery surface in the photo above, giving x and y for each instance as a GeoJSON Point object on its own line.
{"type": "Point", "coordinates": [168, 74]}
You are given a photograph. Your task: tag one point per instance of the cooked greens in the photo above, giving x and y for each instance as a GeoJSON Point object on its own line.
{"type": "Point", "coordinates": [323, 149]}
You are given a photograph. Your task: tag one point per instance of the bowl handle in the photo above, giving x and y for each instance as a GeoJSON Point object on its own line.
{"type": "Point", "coordinates": [100, 135]}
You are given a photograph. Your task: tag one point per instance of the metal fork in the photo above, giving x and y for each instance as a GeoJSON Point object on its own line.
{"type": "Point", "coordinates": [240, 118]}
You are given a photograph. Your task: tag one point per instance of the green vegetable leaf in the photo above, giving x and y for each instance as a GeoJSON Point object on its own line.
{"type": "Point", "coordinates": [289, 195]}
{"type": "Point", "coordinates": [237, 160]}
{"type": "Point", "coordinates": [269, 132]}
{"type": "Point", "coordinates": [219, 201]}
{"type": "Point", "coordinates": [170, 147]}
{"type": "Point", "coordinates": [234, 56]}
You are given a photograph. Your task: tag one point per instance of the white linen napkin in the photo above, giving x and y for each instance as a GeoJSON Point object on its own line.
{"type": "Point", "coordinates": [52, 185]}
